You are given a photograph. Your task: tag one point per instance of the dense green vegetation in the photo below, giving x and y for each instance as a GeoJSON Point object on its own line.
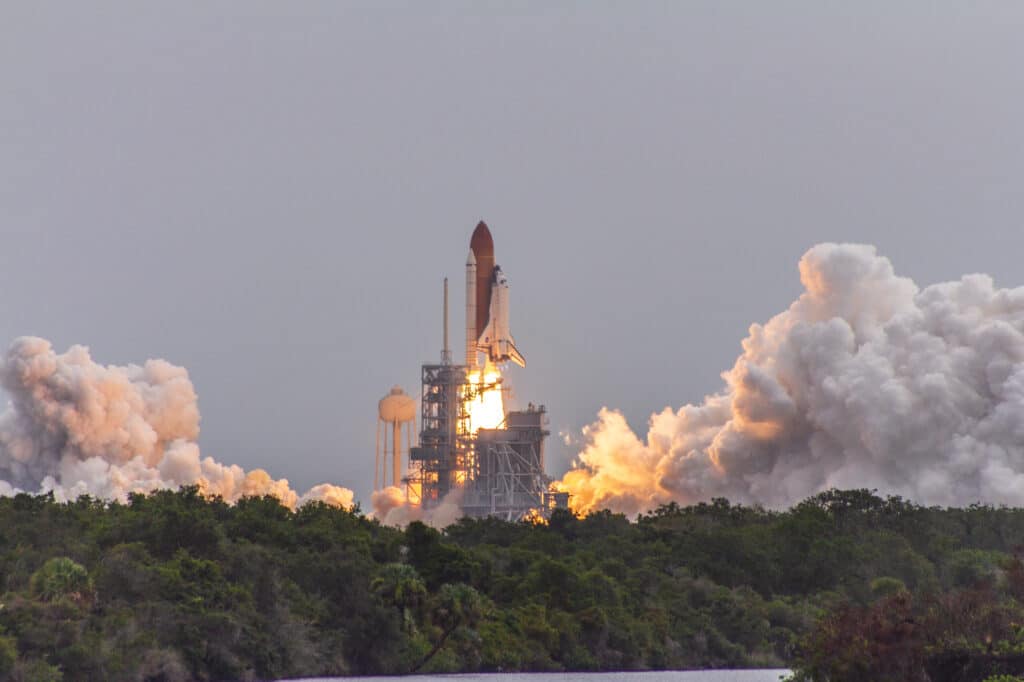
{"type": "Point", "coordinates": [174, 586]}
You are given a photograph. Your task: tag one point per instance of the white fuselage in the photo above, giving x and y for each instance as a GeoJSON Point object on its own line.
{"type": "Point", "coordinates": [496, 340]}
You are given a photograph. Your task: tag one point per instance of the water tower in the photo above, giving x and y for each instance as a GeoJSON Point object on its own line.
{"type": "Point", "coordinates": [395, 410]}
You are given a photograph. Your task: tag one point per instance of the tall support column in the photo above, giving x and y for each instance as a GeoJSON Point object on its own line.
{"type": "Point", "coordinates": [376, 461]}
{"type": "Point", "coordinates": [396, 443]}
{"type": "Point", "coordinates": [471, 312]}
{"type": "Point", "coordinates": [446, 353]}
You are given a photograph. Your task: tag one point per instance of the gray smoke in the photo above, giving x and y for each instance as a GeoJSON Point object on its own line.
{"type": "Point", "coordinates": [865, 381]}
{"type": "Point", "coordinates": [75, 427]}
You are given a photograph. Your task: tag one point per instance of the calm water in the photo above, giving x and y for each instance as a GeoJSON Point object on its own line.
{"type": "Point", "coordinates": [661, 676]}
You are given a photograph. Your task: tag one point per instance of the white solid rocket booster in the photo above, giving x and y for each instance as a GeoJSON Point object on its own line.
{"type": "Point", "coordinates": [471, 311]}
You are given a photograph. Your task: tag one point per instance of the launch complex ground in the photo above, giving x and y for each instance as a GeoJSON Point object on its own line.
{"type": "Point", "coordinates": [471, 452]}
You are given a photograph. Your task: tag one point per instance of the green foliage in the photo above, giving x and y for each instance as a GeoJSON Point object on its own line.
{"type": "Point", "coordinates": [969, 567]}
{"type": "Point", "coordinates": [177, 586]}
{"type": "Point", "coordinates": [37, 671]}
{"type": "Point", "coordinates": [400, 586]}
{"type": "Point", "coordinates": [965, 634]}
{"type": "Point", "coordinates": [59, 578]}
{"type": "Point", "coordinates": [8, 655]}
{"type": "Point", "coordinates": [886, 586]}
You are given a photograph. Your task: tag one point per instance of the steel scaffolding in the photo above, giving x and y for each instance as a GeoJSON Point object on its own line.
{"type": "Point", "coordinates": [497, 472]}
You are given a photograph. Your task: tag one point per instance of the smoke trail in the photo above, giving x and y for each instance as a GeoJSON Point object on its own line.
{"type": "Point", "coordinates": [75, 427]}
{"type": "Point", "coordinates": [865, 381]}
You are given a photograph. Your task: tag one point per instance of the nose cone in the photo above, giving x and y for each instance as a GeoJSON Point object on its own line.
{"type": "Point", "coordinates": [481, 241]}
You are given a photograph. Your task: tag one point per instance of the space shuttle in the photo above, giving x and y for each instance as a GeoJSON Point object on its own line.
{"type": "Point", "coordinates": [487, 329]}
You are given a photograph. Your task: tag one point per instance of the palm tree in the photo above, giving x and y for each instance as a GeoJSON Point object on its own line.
{"type": "Point", "coordinates": [457, 605]}
{"type": "Point", "coordinates": [61, 577]}
{"type": "Point", "coordinates": [401, 586]}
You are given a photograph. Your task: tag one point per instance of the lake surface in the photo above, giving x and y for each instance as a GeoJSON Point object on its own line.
{"type": "Point", "coordinates": [657, 676]}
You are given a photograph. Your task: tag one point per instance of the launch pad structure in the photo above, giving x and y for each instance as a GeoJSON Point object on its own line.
{"type": "Point", "coordinates": [496, 471]}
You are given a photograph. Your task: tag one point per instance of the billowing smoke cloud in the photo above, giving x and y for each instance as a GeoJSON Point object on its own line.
{"type": "Point", "coordinates": [393, 508]}
{"type": "Point", "coordinates": [865, 381]}
{"type": "Point", "coordinates": [75, 427]}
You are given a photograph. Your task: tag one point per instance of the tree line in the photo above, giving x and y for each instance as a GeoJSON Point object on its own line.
{"type": "Point", "coordinates": [176, 586]}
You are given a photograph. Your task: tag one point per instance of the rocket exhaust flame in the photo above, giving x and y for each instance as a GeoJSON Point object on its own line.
{"type": "Point", "coordinates": [864, 381]}
{"type": "Point", "coordinates": [485, 405]}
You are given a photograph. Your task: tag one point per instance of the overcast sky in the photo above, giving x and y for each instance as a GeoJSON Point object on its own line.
{"type": "Point", "coordinates": [270, 193]}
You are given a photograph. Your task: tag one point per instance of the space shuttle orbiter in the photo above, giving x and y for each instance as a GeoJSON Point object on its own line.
{"type": "Point", "coordinates": [487, 329]}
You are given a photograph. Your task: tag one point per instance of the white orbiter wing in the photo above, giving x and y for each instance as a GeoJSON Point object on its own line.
{"type": "Point", "coordinates": [496, 339]}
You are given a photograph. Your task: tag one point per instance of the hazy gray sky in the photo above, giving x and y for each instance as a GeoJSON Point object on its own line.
{"type": "Point", "coordinates": [270, 193]}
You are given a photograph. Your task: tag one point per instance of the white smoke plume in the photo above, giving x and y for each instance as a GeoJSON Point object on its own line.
{"type": "Point", "coordinates": [75, 427]}
{"type": "Point", "coordinates": [865, 381]}
{"type": "Point", "coordinates": [393, 508]}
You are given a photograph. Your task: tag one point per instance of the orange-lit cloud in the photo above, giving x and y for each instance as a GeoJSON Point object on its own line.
{"type": "Point", "coordinates": [864, 381]}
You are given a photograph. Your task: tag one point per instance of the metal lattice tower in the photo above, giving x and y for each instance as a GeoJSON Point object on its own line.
{"type": "Point", "coordinates": [443, 419]}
